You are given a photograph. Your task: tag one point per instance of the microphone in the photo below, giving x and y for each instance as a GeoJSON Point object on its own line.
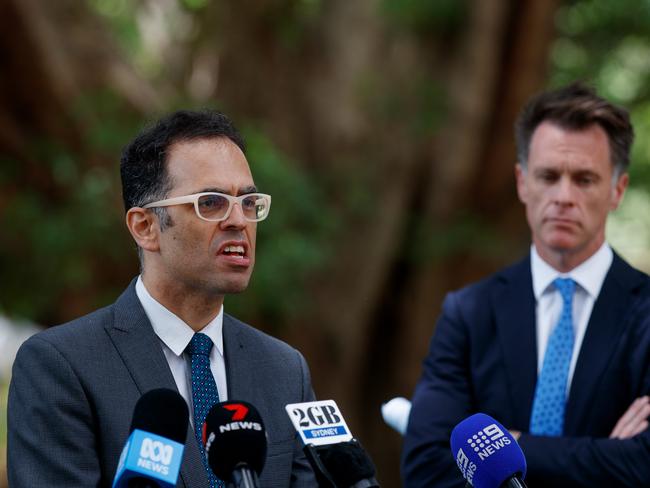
{"type": "Point", "coordinates": [338, 460]}
{"type": "Point", "coordinates": [235, 443]}
{"type": "Point", "coordinates": [396, 413]}
{"type": "Point", "coordinates": [152, 455]}
{"type": "Point", "coordinates": [486, 454]}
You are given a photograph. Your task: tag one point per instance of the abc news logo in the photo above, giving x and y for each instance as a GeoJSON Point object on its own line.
{"type": "Point", "coordinates": [155, 456]}
{"type": "Point", "coordinates": [488, 441]}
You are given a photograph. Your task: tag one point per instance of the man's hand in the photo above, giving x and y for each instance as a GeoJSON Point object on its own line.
{"type": "Point", "coordinates": [634, 420]}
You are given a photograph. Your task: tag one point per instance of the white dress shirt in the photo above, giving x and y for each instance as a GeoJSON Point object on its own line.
{"type": "Point", "coordinates": [588, 276]}
{"type": "Point", "coordinates": [175, 335]}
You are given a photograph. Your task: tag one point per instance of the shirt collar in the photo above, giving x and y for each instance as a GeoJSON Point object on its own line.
{"type": "Point", "coordinates": [171, 329]}
{"type": "Point", "coordinates": [590, 274]}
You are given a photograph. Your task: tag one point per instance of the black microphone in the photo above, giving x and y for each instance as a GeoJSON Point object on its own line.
{"type": "Point", "coordinates": [338, 460]}
{"type": "Point", "coordinates": [342, 465]}
{"type": "Point", "coordinates": [235, 443]}
{"type": "Point", "coordinates": [152, 455]}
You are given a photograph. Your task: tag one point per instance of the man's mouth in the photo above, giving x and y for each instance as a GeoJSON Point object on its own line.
{"type": "Point", "coordinates": [237, 251]}
{"type": "Point", "coordinates": [561, 220]}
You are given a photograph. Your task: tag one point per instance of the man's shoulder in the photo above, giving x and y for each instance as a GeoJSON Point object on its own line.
{"type": "Point", "coordinates": [627, 274]}
{"type": "Point", "coordinates": [518, 273]}
{"type": "Point", "coordinates": [80, 330]}
{"type": "Point", "coordinates": [254, 337]}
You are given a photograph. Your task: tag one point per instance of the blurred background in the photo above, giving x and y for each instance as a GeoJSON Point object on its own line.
{"type": "Point", "coordinates": [382, 128]}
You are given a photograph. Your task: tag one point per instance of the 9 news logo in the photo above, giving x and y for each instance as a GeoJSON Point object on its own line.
{"type": "Point", "coordinates": [467, 467]}
{"type": "Point", "coordinates": [487, 441]}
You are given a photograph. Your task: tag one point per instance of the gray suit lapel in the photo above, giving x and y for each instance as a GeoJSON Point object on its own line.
{"type": "Point", "coordinates": [238, 362]}
{"type": "Point", "coordinates": [142, 354]}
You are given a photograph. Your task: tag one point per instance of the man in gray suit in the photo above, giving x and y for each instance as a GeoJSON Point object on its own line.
{"type": "Point", "coordinates": [192, 209]}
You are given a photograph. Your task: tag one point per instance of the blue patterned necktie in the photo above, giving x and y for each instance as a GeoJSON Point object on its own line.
{"type": "Point", "coordinates": [547, 417]}
{"type": "Point", "coordinates": [204, 393]}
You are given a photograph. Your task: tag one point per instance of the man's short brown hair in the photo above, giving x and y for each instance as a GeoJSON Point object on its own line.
{"type": "Point", "coordinates": [576, 107]}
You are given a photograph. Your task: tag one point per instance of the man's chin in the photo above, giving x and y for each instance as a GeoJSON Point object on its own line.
{"type": "Point", "coordinates": [233, 287]}
{"type": "Point", "coordinates": [562, 242]}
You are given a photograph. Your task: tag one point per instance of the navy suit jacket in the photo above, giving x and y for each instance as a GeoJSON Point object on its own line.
{"type": "Point", "coordinates": [483, 358]}
{"type": "Point", "coordinates": [74, 387]}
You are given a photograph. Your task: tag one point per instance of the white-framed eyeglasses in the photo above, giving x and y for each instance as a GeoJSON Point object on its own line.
{"type": "Point", "coordinates": [214, 207]}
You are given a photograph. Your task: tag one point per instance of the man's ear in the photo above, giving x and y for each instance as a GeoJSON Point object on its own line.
{"type": "Point", "coordinates": [144, 227]}
{"type": "Point", "coordinates": [520, 177]}
{"type": "Point", "coordinates": [618, 190]}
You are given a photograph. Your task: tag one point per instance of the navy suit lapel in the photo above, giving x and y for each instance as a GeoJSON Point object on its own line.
{"type": "Point", "coordinates": [601, 338]}
{"type": "Point", "coordinates": [514, 306]}
{"type": "Point", "coordinates": [142, 354]}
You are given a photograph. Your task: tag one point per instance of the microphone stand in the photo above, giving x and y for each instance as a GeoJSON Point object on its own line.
{"type": "Point", "coordinates": [243, 477]}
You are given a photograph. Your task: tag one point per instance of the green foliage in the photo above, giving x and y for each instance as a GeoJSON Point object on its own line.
{"type": "Point", "coordinates": [194, 4]}
{"type": "Point", "coordinates": [418, 106]}
{"type": "Point", "coordinates": [121, 14]}
{"type": "Point", "coordinates": [425, 16]}
{"type": "Point", "coordinates": [607, 43]}
{"type": "Point", "coordinates": [466, 233]}
{"type": "Point", "coordinates": [68, 233]}
{"type": "Point", "coordinates": [293, 242]}
{"type": "Point", "coordinates": [292, 20]}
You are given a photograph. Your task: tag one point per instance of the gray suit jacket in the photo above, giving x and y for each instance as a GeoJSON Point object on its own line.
{"type": "Point", "coordinates": [74, 388]}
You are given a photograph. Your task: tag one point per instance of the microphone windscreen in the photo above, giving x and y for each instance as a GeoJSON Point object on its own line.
{"type": "Point", "coordinates": [162, 412]}
{"type": "Point", "coordinates": [485, 452]}
{"type": "Point", "coordinates": [346, 462]}
{"type": "Point", "coordinates": [396, 413]}
{"type": "Point", "coordinates": [234, 434]}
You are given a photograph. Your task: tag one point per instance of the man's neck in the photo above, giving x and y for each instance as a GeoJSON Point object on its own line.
{"type": "Point", "coordinates": [195, 309]}
{"type": "Point", "coordinates": [566, 260]}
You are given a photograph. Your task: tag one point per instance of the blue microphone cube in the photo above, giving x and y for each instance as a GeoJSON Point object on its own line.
{"type": "Point", "coordinates": [149, 456]}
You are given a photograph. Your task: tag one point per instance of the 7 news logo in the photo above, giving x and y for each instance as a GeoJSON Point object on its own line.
{"type": "Point", "coordinates": [239, 414]}
{"type": "Point", "coordinates": [488, 440]}
{"type": "Point", "coordinates": [238, 422]}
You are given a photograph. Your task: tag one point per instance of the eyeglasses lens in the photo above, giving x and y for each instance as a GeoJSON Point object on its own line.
{"type": "Point", "coordinates": [255, 207]}
{"type": "Point", "coordinates": [215, 207]}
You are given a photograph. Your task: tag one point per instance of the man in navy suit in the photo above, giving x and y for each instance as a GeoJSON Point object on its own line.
{"type": "Point", "coordinates": [192, 208]}
{"type": "Point", "coordinates": [557, 346]}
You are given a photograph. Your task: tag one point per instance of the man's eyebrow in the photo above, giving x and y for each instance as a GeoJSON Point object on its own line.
{"type": "Point", "coordinates": [247, 189]}
{"type": "Point", "coordinates": [586, 172]}
{"type": "Point", "coordinates": [545, 169]}
{"type": "Point", "coordinates": [242, 191]}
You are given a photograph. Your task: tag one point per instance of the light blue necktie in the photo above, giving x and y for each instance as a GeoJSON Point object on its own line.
{"type": "Point", "coordinates": [547, 417]}
{"type": "Point", "coordinates": [204, 393]}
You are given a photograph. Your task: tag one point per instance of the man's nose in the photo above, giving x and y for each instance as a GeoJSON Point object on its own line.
{"type": "Point", "coordinates": [235, 218]}
{"type": "Point", "coordinates": [564, 191]}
